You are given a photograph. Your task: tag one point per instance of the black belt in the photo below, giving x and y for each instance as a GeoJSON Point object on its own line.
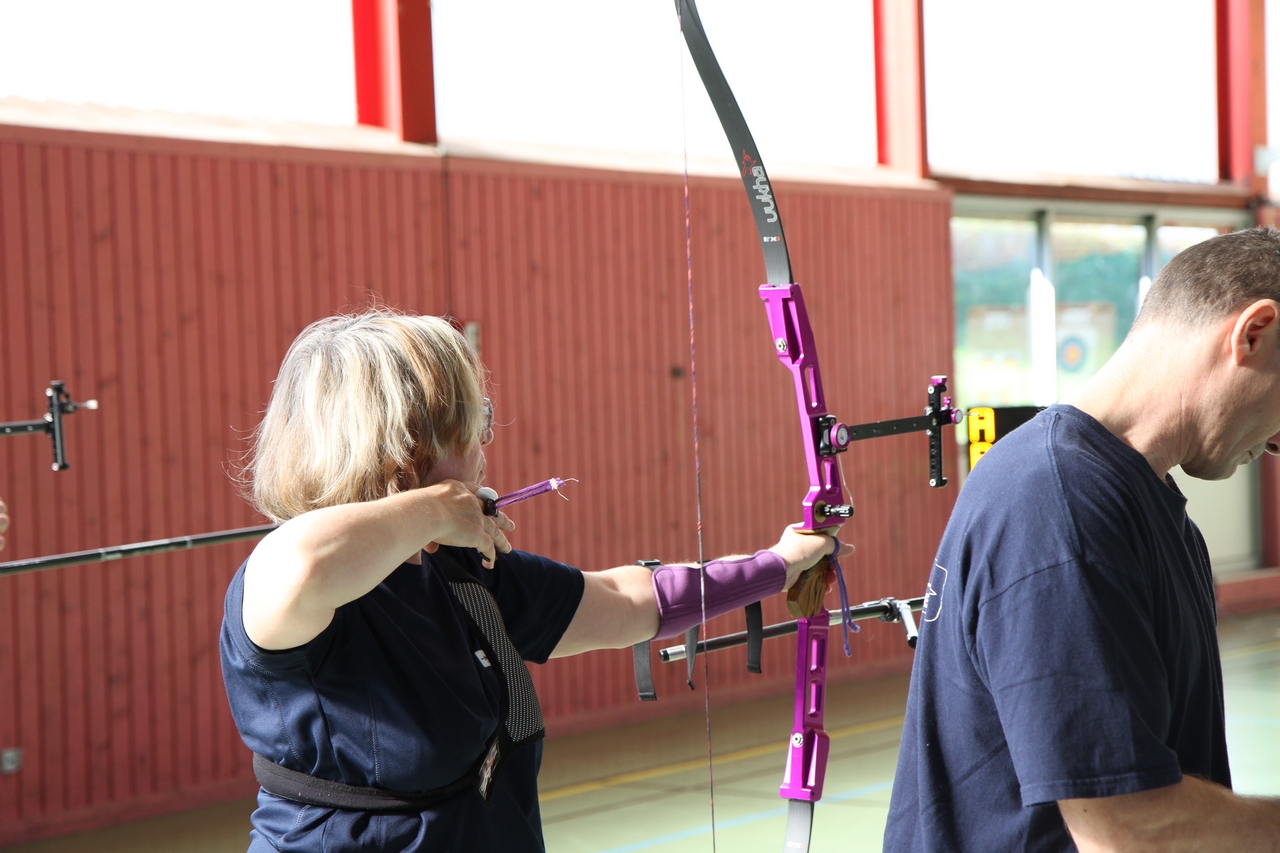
{"type": "Point", "coordinates": [313, 791]}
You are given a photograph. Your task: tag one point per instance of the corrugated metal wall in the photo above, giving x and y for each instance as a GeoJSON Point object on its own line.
{"type": "Point", "coordinates": [166, 278]}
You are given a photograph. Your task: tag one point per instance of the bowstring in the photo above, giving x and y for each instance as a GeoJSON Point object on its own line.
{"type": "Point", "coordinates": [697, 463]}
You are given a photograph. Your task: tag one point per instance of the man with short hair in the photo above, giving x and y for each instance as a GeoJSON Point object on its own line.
{"type": "Point", "coordinates": [1067, 687]}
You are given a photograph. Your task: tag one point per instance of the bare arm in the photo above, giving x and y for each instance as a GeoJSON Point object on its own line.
{"type": "Point", "coordinates": [1193, 815]}
{"type": "Point", "coordinates": [4, 522]}
{"type": "Point", "coordinates": [618, 608]}
{"type": "Point", "coordinates": [302, 571]}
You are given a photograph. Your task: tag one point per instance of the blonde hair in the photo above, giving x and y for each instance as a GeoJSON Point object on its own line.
{"type": "Point", "coordinates": [363, 407]}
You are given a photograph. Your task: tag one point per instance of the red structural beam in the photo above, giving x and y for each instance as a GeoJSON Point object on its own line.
{"type": "Point", "coordinates": [1242, 125]}
{"type": "Point", "coordinates": [395, 77]}
{"type": "Point", "coordinates": [417, 73]}
{"type": "Point", "coordinates": [900, 106]}
{"type": "Point", "coordinates": [1269, 501]}
{"type": "Point", "coordinates": [1241, 70]}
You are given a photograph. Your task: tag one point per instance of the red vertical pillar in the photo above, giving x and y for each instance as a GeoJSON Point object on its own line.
{"type": "Point", "coordinates": [417, 73]}
{"type": "Point", "coordinates": [1270, 510]}
{"type": "Point", "coordinates": [1242, 92]}
{"type": "Point", "coordinates": [1242, 125]}
{"type": "Point", "coordinates": [395, 77]}
{"type": "Point", "coordinates": [377, 62]}
{"type": "Point", "coordinates": [900, 107]}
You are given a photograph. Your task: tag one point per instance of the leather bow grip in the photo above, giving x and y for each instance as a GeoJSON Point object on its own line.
{"type": "Point", "coordinates": [805, 596]}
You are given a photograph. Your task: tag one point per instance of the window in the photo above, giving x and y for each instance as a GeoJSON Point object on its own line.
{"type": "Point", "coordinates": [1173, 239]}
{"type": "Point", "coordinates": [585, 74]}
{"type": "Point", "coordinates": [1226, 511]}
{"type": "Point", "coordinates": [1091, 87]}
{"type": "Point", "coordinates": [1035, 320]}
{"type": "Point", "coordinates": [1065, 287]}
{"type": "Point", "coordinates": [284, 60]}
{"type": "Point", "coordinates": [992, 264]}
{"type": "Point", "coordinates": [1096, 271]}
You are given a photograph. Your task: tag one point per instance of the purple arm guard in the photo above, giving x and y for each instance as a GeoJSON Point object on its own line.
{"type": "Point", "coordinates": [730, 584]}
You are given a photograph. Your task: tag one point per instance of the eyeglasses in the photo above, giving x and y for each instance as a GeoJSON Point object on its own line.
{"type": "Point", "coordinates": [486, 432]}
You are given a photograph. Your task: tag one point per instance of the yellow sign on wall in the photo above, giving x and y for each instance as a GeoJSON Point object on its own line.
{"type": "Point", "coordinates": [982, 432]}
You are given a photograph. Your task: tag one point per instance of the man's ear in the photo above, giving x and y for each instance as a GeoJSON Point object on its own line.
{"type": "Point", "coordinates": [1256, 330]}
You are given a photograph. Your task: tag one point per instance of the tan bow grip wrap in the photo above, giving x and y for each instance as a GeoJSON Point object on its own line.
{"type": "Point", "coordinates": [806, 594]}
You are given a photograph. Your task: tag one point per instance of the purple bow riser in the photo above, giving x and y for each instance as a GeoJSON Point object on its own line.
{"type": "Point", "coordinates": [729, 584]}
{"type": "Point", "coordinates": [793, 342]}
{"type": "Point", "coordinates": [807, 751]}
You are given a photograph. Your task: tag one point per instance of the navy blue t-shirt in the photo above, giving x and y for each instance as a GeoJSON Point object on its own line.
{"type": "Point", "coordinates": [391, 694]}
{"type": "Point", "coordinates": [1067, 647]}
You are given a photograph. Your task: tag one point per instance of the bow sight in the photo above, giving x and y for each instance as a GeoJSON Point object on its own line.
{"type": "Point", "coordinates": [60, 403]}
{"type": "Point", "coordinates": [834, 437]}
{"type": "Point", "coordinates": [793, 342]}
{"type": "Point", "coordinates": [831, 437]}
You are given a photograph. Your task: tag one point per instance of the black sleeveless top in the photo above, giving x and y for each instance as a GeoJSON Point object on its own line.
{"type": "Point", "coordinates": [392, 694]}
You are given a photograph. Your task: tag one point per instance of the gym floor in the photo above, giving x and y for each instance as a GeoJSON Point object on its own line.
{"type": "Point", "coordinates": [644, 787]}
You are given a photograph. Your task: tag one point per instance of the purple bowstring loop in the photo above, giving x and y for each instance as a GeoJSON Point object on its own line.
{"type": "Point", "coordinates": [846, 616]}
{"type": "Point", "coordinates": [552, 485]}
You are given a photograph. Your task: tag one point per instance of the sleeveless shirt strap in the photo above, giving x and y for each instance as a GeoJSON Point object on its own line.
{"type": "Point", "coordinates": [452, 568]}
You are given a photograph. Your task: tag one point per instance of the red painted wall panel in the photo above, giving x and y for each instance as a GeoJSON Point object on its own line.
{"type": "Point", "coordinates": [166, 278]}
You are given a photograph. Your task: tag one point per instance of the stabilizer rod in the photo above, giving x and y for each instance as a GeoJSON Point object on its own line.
{"type": "Point", "coordinates": [201, 540]}
{"type": "Point", "coordinates": [119, 552]}
{"type": "Point", "coordinates": [887, 609]}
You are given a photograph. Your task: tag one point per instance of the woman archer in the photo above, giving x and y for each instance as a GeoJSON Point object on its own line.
{"type": "Point", "coordinates": [374, 645]}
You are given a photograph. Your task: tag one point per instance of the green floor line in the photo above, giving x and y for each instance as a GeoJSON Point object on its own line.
{"type": "Point", "coordinates": [1270, 722]}
{"type": "Point", "coordinates": [780, 811]}
{"type": "Point", "coordinates": [1245, 651]}
{"type": "Point", "coordinates": [701, 763]}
